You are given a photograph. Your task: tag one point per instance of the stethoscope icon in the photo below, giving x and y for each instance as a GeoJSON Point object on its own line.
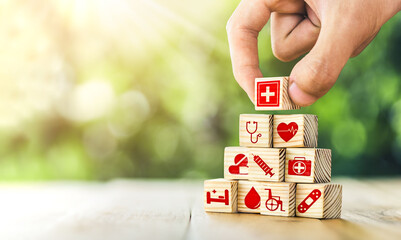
{"type": "Point", "coordinates": [251, 133]}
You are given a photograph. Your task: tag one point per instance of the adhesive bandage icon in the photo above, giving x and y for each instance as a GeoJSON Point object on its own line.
{"type": "Point", "coordinates": [309, 200]}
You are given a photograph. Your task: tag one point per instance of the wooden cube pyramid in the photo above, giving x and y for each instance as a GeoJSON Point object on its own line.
{"type": "Point", "coordinates": [277, 170]}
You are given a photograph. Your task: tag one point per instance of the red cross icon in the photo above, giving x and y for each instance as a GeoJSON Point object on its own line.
{"type": "Point", "coordinates": [299, 167]}
{"type": "Point", "coordinates": [268, 93]}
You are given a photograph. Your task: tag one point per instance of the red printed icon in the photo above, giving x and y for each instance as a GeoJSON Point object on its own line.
{"type": "Point", "coordinates": [223, 199]}
{"type": "Point", "coordinates": [239, 161]}
{"type": "Point", "coordinates": [299, 166]}
{"type": "Point", "coordinates": [268, 94]}
{"type": "Point", "coordinates": [252, 199]}
{"type": "Point", "coordinates": [287, 131]}
{"type": "Point", "coordinates": [263, 165]}
{"type": "Point", "coordinates": [253, 132]}
{"type": "Point", "coordinates": [309, 200]}
{"type": "Point", "coordinates": [273, 202]}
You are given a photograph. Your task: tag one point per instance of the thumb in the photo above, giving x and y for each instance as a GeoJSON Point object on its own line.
{"type": "Point", "coordinates": [316, 73]}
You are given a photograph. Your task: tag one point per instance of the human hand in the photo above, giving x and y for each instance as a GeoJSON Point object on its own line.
{"type": "Point", "coordinates": [332, 31]}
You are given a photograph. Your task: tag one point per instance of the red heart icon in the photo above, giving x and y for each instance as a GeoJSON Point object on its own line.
{"type": "Point", "coordinates": [239, 161]}
{"type": "Point", "coordinates": [287, 131]}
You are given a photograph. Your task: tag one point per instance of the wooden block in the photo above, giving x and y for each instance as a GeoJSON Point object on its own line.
{"type": "Point", "coordinates": [249, 196]}
{"type": "Point", "coordinates": [236, 163]}
{"type": "Point", "coordinates": [266, 164]}
{"type": "Point", "coordinates": [278, 199]}
{"type": "Point", "coordinates": [308, 165]}
{"type": "Point", "coordinates": [297, 130]}
{"type": "Point", "coordinates": [256, 130]}
{"type": "Point", "coordinates": [272, 94]}
{"type": "Point", "coordinates": [220, 195]}
{"type": "Point", "coordinates": [319, 200]}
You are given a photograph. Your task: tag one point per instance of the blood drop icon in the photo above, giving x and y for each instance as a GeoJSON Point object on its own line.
{"type": "Point", "coordinates": [252, 199]}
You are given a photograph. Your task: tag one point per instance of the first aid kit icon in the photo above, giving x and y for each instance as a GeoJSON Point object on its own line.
{"type": "Point", "coordinates": [299, 166]}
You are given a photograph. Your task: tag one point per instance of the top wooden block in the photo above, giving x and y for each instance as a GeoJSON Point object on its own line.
{"type": "Point", "coordinates": [272, 94]}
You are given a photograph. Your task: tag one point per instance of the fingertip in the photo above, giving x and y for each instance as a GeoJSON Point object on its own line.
{"type": "Point", "coordinates": [251, 96]}
{"type": "Point", "coordinates": [246, 79]}
{"type": "Point", "coordinates": [249, 87]}
{"type": "Point", "coordinates": [300, 97]}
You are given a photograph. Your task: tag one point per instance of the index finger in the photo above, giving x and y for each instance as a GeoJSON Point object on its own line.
{"type": "Point", "coordinates": [243, 29]}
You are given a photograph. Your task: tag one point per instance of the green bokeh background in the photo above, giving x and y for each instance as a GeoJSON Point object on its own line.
{"type": "Point", "coordinates": [172, 102]}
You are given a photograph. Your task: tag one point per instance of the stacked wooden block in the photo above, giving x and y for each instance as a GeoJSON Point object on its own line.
{"type": "Point", "coordinates": [277, 169]}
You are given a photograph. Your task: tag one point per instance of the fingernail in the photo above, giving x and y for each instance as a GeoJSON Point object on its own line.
{"type": "Point", "coordinates": [300, 97]}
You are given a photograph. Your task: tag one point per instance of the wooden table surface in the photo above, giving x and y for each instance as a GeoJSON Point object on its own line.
{"type": "Point", "coordinates": [139, 209]}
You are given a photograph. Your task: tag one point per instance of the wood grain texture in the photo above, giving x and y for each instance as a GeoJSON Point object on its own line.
{"type": "Point", "coordinates": [285, 102]}
{"type": "Point", "coordinates": [229, 155]}
{"type": "Point", "coordinates": [273, 157]}
{"type": "Point", "coordinates": [320, 165]}
{"type": "Point", "coordinates": [261, 127]}
{"type": "Point", "coordinates": [332, 201]}
{"type": "Point", "coordinates": [311, 130]}
{"type": "Point", "coordinates": [282, 194]}
{"type": "Point", "coordinates": [322, 171]}
{"type": "Point", "coordinates": [243, 190]}
{"type": "Point", "coordinates": [328, 205]}
{"type": "Point", "coordinates": [305, 136]}
{"type": "Point", "coordinates": [220, 186]}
